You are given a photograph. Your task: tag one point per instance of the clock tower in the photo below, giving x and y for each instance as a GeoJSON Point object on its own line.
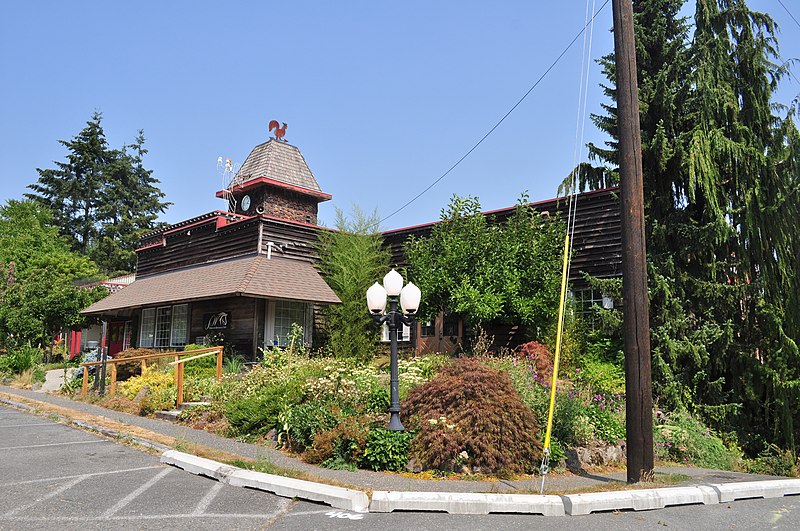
{"type": "Point", "coordinates": [275, 181]}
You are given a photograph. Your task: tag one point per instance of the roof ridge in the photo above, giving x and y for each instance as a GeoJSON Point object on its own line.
{"type": "Point", "coordinates": [248, 276]}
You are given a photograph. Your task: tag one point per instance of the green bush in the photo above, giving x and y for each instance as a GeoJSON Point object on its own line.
{"type": "Point", "coordinates": [607, 427]}
{"type": "Point", "coordinates": [258, 413]}
{"type": "Point", "coordinates": [471, 414]}
{"type": "Point", "coordinates": [386, 450]}
{"type": "Point", "coordinates": [682, 438]}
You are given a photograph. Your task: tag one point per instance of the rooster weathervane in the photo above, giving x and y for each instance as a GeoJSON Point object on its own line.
{"type": "Point", "coordinates": [280, 131]}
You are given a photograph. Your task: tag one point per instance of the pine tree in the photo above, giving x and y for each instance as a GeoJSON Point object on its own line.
{"type": "Point", "coordinates": [102, 199]}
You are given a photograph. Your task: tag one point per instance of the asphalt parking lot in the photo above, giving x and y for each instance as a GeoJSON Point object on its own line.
{"type": "Point", "coordinates": [57, 477]}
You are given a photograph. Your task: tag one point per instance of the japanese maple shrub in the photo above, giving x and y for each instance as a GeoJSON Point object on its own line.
{"type": "Point", "coordinates": [471, 416]}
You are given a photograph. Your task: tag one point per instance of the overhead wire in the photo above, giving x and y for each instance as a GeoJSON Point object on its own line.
{"type": "Point", "coordinates": [496, 125]}
{"type": "Point", "coordinates": [790, 13]}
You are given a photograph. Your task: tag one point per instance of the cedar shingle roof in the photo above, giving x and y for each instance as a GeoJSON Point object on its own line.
{"type": "Point", "coordinates": [251, 276]}
{"type": "Point", "coordinates": [278, 161]}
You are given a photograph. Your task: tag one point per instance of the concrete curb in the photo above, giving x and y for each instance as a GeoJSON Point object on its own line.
{"type": "Point", "coordinates": [756, 489]}
{"type": "Point", "coordinates": [638, 500]}
{"type": "Point", "coordinates": [466, 503]}
{"type": "Point", "coordinates": [338, 497]}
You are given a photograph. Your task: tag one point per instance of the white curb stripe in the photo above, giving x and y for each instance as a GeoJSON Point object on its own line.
{"type": "Point", "coordinates": [466, 503]}
{"type": "Point", "coordinates": [756, 489]}
{"type": "Point", "coordinates": [638, 500]}
{"type": "Point", "coordinates": [338, 497]}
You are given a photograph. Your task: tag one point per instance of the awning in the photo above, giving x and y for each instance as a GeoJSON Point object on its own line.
{"type": "Point", "coordinates": [251, 276]}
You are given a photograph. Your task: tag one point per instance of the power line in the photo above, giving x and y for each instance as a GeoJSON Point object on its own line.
{"type": "Point", "coordinates": [790, 13]}
{"type": "Point", "coordinates": [473, 148]}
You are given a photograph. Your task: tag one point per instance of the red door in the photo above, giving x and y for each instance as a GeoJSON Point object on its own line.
{"type": "Point", "coordinates": [117, 337]}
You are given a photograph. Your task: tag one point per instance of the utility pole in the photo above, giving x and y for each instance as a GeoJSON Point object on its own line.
{"type": "Point", "coordinates": [636, 323]}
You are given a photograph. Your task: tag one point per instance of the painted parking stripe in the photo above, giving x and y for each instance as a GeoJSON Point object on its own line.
{"type": "Point", "coordinates": [92, 474]}
{"type": "Point", "coordinates": [207, 499]}
{"type": "Point", "coordinates": [28, 425]}
{"type": "Point", "coordinates": [47, 496]}
{"type": "Point", "coordinates": [135, 494]}
{"type": "Point", "coordinates": [51, 444]}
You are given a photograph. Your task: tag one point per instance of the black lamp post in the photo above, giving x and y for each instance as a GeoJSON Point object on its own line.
{"type": "Point", "coordinates": [408, 299]}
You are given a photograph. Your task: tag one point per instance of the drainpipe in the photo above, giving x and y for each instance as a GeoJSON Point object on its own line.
{"type": "Point", "coordinates": [269, 250]}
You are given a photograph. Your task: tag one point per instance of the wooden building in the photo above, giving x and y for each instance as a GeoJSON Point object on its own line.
{"type": "Point", "coordinates": [248, 274]}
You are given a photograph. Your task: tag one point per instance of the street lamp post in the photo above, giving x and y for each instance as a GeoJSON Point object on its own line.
{"type": "Point", "coordinates": [408, 299]}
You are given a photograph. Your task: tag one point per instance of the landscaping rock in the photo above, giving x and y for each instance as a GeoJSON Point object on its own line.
{"type": "Point", "coordinates": [596, 454]}
{"type": "Point", "coordinates": [143, 392]}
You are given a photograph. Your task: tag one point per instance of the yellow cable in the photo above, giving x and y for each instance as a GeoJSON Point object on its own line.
{"type": "Point", "coordinates": [558, 345]}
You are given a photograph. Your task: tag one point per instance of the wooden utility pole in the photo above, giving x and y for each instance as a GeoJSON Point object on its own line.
{"type": "Point", "coordinates": [636, 325]}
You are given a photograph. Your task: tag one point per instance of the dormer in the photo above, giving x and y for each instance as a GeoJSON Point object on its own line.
{"type": "Point", "coordinates": [275, 180]}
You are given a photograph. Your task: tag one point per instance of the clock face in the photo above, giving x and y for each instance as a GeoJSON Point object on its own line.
{"type": "Point", "coordinates": [246, 203]}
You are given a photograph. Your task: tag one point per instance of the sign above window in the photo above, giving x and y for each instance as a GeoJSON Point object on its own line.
{"type": "Point", "coordinates": [216, 321]}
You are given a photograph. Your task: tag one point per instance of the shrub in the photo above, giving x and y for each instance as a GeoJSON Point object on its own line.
{"type": "Point", "coordinates": [19, 360]}
{"type": "Point", "coordinates": [161, 391]}
{"type": "Point", "coordinates": [539, 357]}
{"type": "Point", "coordinates": [258, 413]}
{"type": "Point", "coordinates": [471, 408]}
{"type": "Point", "coordinates": [773, 461]}
{"type": "Point", "coordinates": [298, 424]}
{"type": "Point", "coordinates": [386, 450]}
{"type": "Point", "coordinates": [682, 438]}
{"type": "Point", "coordinates": [132, 368]}
{"type": "Point", "coordinates": [345, 442]}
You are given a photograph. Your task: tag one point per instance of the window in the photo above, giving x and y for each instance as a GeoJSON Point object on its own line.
{"type": "Point", "coordinates": [588, 300]}
{"type": "Point", "coordinates": [450, 326]}
{"type": "Point", "coordinates": [180, 325]}
{"type": "Point", "coordinates": [287, 313]}
{"type": "Point", "coordinates": [146, 332]}
{"type": "Point", "coordinates": [164, 326]}
{"type": "Point", "coordinates": [405, 335]}
{"type": "Point", "coordinates": [428, 329]}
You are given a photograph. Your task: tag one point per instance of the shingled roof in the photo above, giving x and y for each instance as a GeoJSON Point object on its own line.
{"type": "Point", "coordinates": [278, 161]}
{"type": "Point", "coordinates": [252, 276]}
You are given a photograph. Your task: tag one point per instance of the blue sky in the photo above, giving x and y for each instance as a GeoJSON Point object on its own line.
{"type": "Point", "coordinates": [381, 97]}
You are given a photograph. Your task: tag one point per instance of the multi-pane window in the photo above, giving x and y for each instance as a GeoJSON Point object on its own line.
{"type": "Point", "coordinates": [428, 329]}
{"type": "Point", "coordinates": [164, 326]}
{"type": "Point", "coordinates": [586, 302]}
{"type": "Point", "coordinates": [287, 313]}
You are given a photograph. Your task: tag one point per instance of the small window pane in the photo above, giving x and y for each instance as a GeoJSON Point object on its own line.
{"type": "Point", "coordinates": [428, 329]}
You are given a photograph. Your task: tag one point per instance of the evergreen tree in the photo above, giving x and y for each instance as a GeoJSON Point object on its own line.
{"type": "Point", "coordinates": [352, 258]}
{"type": "Point", "coordinates": [102, 199]}
{"type": "Point", "coordinates": [720, 180]}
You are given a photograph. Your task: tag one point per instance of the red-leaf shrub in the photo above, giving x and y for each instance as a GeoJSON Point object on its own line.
{"type": "Point", "coordinates": [539, 356]}
{"type": "Point", "coordinates": [471, 415]}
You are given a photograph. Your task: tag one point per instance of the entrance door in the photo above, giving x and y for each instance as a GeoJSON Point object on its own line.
{"type": "Point", "coordinates": [118, 333]}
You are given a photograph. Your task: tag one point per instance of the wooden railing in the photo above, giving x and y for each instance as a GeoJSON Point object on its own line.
{"type": "Point", "coordinates": [178, 363]}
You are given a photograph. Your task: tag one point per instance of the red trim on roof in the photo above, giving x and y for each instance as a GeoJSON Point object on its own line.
{"type": "Point", "coordinates": [159, 244]}
{"type": "Point", "coordinates": [250, 183]}
{"type": "Point", "coordinates": [501, 210]}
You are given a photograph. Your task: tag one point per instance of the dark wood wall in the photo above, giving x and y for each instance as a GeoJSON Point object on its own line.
{"type": "Point", "coordinates": [241, 327]}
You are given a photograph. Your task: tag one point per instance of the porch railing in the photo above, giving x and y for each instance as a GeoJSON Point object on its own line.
{"type": "Point", "coordinates": [178, 363]}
